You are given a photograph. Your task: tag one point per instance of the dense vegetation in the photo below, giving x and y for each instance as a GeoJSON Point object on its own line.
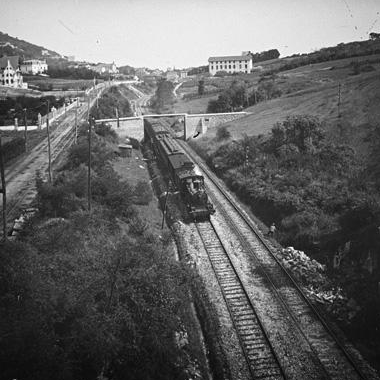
{"type": "Point", "coordinates": [110, 100]}
{"type": "Point", "coordinates": [352, 49]}
{"type": "Point", "coordinates": [265, 55]}
{"type": "Point", "coordinates": [239, 95]}
{"type": "Point", "coordinates": [73, 73]}
{"type": "Point", "coordinates": [163, 97]}
{"type": "Point", "coordinates": [22, 48]}
{"type": "Point", "coordinates": [11, 108]}
{"type": "Point", "coordinates": [91, 295]}
{"type": "Point", "coordinates": [322, 197]}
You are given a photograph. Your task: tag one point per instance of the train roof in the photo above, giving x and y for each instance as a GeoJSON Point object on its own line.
{"type": "Point", "coordinates": [156, 127]}
{"type": "Point", "coordinates": [180, 161]}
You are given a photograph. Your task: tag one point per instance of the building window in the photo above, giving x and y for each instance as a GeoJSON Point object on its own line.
{"type": "Point", "coordinates": [246, 66]}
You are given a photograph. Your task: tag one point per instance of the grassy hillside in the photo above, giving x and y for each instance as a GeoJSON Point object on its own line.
{"type": "Point", "coordinates": [313, 90]}
{"type": "Point", "coordinates": [22, 48]}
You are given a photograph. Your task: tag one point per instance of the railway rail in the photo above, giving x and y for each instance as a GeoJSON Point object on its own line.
{"type": "Point", "coordinates": [330, 356]}
{"type": "Point", "coordinates": [259, 353]}
{"type": "Point", "coordinates": [20, 176]}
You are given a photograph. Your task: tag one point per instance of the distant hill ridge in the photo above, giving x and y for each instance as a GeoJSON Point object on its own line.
{"type": "Point", "coordinates": [13, 46]}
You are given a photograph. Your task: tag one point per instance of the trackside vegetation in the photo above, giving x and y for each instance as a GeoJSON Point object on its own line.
{"type": "Point", "coordinates": [322, 196]}
{"type": "Point", "coordinates": [92, 295]}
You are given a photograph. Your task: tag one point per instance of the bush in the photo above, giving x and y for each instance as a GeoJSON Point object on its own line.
{"type": "Point", "coordinates": [142, 193]}
{"type": "Point", "coordinates": [223, 133]}
{"type": "Point", "coordinates": [13, 148]}
{"type": "Point", "coordinates": [105, 130]}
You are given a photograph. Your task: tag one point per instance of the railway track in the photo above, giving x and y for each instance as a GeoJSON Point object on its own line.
{"type": "Point", "coordinates": [330, 357]}
{"type": "Point", "coordinates": [20, 177]}
{"type": "Point", "coordinates": [258, 352]}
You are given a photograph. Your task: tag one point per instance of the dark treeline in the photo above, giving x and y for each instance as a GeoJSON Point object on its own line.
{"type": "Point", "coordinates": [265, 55]}
{"type": "Point", "coordinates": [239, 95]}
{"type": "Point", "coordinates": [341, 51]}
{"type": "Point", "coordinates": [73, 73]}
{"type": "Point", "coordinates": [163, 97]}
{"type": "Point", "coordinates": [111, 100]}
{"type": "Point", "coordinates": [11, 108]}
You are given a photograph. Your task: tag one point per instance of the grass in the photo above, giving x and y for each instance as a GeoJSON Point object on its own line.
{"type": "Point", "coordinates": [313, 90]}
{"type": "Point", "coordinates": [193, 106]}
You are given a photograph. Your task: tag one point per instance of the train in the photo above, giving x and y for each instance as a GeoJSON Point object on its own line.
{"type": "Point", "coordinates": [183, 172]}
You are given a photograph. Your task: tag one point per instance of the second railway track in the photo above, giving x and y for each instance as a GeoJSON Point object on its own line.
{"type": "Point", "coordinates": [326, 356]}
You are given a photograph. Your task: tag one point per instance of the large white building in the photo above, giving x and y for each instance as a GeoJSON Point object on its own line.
{"type": "Point", "coordinates": [10, 74]}
{"type": "Point", "coordinates": [33, 67]}
{"type": "Point", "coordinates": [230, 64]}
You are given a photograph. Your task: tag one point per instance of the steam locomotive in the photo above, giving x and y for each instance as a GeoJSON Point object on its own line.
{"type": "Point", "coordinates": [185, 175]}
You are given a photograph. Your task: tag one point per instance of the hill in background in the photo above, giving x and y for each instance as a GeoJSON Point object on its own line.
{"type": "Point", "coordinates": [13, 46]}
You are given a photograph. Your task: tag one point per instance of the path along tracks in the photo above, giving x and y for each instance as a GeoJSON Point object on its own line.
{"type": "Point", "coordinates": [282, 334]}
{"type": "Point", "coordinates": [20, 177]}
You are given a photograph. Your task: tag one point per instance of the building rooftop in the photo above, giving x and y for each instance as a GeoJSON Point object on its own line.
{"type": "Point", "coordinates": [230, 58]}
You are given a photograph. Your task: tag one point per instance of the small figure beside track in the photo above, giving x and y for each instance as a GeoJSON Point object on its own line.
{"type": "Point", "coordinates": [272, 230]}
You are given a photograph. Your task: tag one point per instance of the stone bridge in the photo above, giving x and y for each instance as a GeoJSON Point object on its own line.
{"type": "Point", "coordinates": [193, 124]}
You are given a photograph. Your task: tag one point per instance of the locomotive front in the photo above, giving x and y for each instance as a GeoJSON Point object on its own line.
{"type": "Point", "coordinates": [198, 203]}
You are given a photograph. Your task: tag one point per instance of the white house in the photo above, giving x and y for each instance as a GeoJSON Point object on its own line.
{"type": "Point", "coordinates": [10, 74]}
{"type": "Point", "coordinates": [105, 68]}
{"type": "Point", "coordinates": [230, 64]}
{"type": "Point", "coordinates": [33, 67]}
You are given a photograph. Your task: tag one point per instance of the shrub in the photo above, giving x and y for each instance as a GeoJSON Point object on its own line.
{"type": "Point", "coordinates": [223, 133]}
{"type": "Point", "coordinates": [142, 193]}
{"type": "Point", "coordinates": [105, 130]}
{"type": "Point", "coordinates": [13, 148]}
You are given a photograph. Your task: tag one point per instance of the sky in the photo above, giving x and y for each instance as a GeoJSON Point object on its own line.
{"type": "Point", "coordinates": [185, 33]}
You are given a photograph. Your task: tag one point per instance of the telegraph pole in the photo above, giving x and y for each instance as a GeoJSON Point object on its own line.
{"type": "Point", "coordinates": [89, 165]}
{"type": "Point", "coordinates": [26, 131]}
{"type": "Point", "coordinates": [246, 163]}
{"type": "Point", "coordinates": [4, 192]}
{"type": "Point", "coordinates": [48, 137]}
{"type": "Point", "coordinates": [76, 122]}
{"type": "Point", "coordinates": [117, 116]}
{"type": "Point", "coordinates": [339, 96]}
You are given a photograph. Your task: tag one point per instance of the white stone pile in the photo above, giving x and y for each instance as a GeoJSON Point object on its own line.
{"type": "Point", "coordinates": [300, 263]}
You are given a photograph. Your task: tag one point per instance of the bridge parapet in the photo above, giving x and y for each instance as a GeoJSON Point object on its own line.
{"type": "Point", "coordinates": [194, 124]}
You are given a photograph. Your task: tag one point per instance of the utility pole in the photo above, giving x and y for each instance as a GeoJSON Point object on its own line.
{"type": "Point", "coordinates": [164, 213]}
{"type": "Point", "coordinates": [339, 95]}
{"type": "Point", "coordinates": [117, 116]}
{"type": "Point", "coordinates": [4, 192]}
{"type": "Point", "coordinates": [48, 137]}
{"type": "Point", "coordinates": [26, 131]}
{"type": "Point", "coordinates": [89, 165]}
{"type": "Point", "coordinates": [88, 107]}
{"type": "Point", "coordinates": [76, 122]}
{"type": "Point", "coordinates": [246, 163]}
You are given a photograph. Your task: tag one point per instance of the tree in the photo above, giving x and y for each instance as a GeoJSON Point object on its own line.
{"type": "Point", "coordinates": [201, 87]}
{"type": "Point", "coordinates": [304, 131]}
{"type": "Point", "coordinates": [223, 133]}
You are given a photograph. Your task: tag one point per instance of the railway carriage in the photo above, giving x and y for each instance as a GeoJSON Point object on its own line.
{"type": "Point", "coordinates": [187, 179]}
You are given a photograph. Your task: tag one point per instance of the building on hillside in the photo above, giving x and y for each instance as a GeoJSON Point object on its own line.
{"type": "Point", "coordinates": [230, 64]}
{"type": "Point", "coordinates": [10, 74]}
{"type": "Point", "coordinates": [45, 53]}
{"type": "Point", "coordinates": [172, 76]}
{"type": "Point", "coordinates": [105, 68]}
{"type": "Point", "coordinates": [141, 71]}
{"type": "Point", "coordinates": [33, 67]}
{"type": "Point", "coordinates": [183, 74]}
